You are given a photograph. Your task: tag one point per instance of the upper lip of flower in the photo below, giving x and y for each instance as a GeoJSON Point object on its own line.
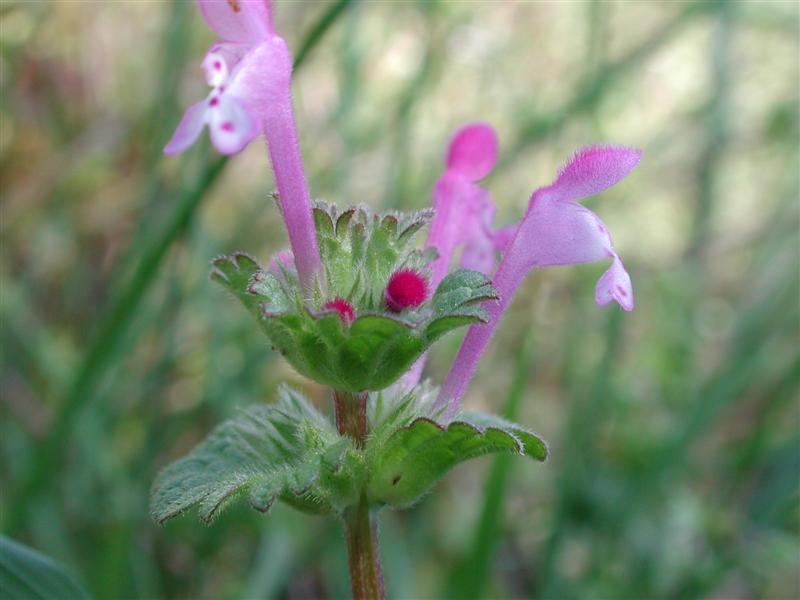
{"type": "Point", "coordinates": [244, 21]}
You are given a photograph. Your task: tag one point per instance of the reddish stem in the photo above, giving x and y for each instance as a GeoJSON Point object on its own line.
{"type": "Point", "coordinates": [360, 524]}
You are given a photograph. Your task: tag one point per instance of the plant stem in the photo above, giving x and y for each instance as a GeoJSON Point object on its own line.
{"type": "Point", "coordinates": [351, 415]}
{"type": "Point", "coordinates": [361, 536]}
{"type": "Point", "coordinates": [360, 525]}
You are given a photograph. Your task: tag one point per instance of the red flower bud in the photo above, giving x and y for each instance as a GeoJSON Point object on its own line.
{"type": "Point", "coordinates": [346, 311]}
{"type": "Point", "coordinates": [406, 288]}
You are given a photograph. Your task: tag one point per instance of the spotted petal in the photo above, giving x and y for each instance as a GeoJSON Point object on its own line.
{"type": "Point", "coordinates": [220, 60]}
{"type": "Point", "coordinates": [615, 284]}
{"type": "Point", "coordinates": [230, 125]}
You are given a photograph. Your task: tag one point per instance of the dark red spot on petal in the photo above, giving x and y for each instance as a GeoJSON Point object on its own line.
{"type": "Point", "coordinates": [621, 291]}
{"type": "Point", "coordinates": [234, 4]}
{"type": "Point", "coordinates": [346, 311]}
{"type": "Point", "coordinates": [227, 126]}
{"type": "Point", "coordinates": [214, 102]}
{"type": "Point", "coordinates": [406, 288]}
{"type": "Point", "coordinates": [217, 65]}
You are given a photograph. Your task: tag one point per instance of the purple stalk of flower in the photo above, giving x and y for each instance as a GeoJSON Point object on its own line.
{"type": "Point", "coordinates": [250, 73]}
{"type": "Point", "coordinates": [555, 230]}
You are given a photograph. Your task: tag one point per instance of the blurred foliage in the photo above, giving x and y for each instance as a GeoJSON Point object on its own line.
{"type": "Point", "coordinates": [674, 430]}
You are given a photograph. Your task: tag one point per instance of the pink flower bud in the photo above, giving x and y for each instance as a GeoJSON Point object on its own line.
{"type": "Point", "coordinates": [406, 288]}
{"type": "Point", "coordinates": [346, 311]}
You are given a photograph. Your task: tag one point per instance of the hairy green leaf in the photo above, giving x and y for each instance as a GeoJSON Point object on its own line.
{"type": "Point", "coordinates": [286, 450]}
{"type": "Point", "coordinates": [415, 456]}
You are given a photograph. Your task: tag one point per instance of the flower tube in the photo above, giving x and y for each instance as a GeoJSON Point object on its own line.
{"type": "Point", "coordinates": [555, 230]}
{"type": "Point", "coordinates": [250, 72]}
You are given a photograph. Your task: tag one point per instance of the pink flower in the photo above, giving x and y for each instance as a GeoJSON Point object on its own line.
{"type": "Point", "coordinates": [463, 211]}
{"type": "Point", "coordinates": [555, 230]}
{"type": "Point", "coordinates": [250, 72]}
{"type": "Point", "coordinates": [243, 24]}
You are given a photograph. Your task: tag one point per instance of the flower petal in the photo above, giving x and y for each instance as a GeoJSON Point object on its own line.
{"type": "Point", "coordinates": [479, 255]}
{"type": "Point", "coordinates": [503, 236]}
{"type": "Point", "coordinates": [215, 68]}
{"type": "Point", "coordinates": [221, 59]}
{"type": "Point", "coordinates": [615, 284]}
{"type": "Point", "coordinates": [284, 259]}
{"type": "Point", "coordinates": [230, 125]}
{"type": "Point", "coordinates": [480, 249]}
{"type": "Point", "coordinates": [188, 129]}
{"type": "Point", "coordinates": [473, 151]}
{"type": "Point", "coordinates": [559, 233]}
{"type": "Point", "coordinates": [590, 171]}
{"type": "Point", "coordinates": [247, 21]}
{"type": "Point", "coordinates": [264, 77]}
{"type": "Point", "coordinates": [458, 209]}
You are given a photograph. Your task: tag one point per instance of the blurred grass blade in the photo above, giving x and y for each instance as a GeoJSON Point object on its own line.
{"type": "Point", "coordinates": [29, 575]}
{"type": "Point", "coordinates": [318, 30]}
{"type": "Point", "coordinates": [585, 416]}
{"type": "Point", "coordinates": [594, 88]}
{"type": "Point", "coordinates": [119, 318]}
{"type": "Point", "coordinates": [471, 578]}
{"type": "Point", "coordinates": [106, 344]}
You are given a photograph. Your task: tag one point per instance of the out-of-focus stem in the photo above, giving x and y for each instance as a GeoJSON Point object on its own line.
{"type": "Point", "coordinates": [360, 524]}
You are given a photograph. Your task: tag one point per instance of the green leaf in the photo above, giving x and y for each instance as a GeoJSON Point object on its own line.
{"type": "Point", "coordinates": [26, 574]}
{"type": "Point", "coordinates": [407, 464]}
{"type": "Point", "coordinates": [456, 302]}
{"type": "Point", "coordinates": [359, 250]}
{"type": "Point", "coordinates": [286, 450]}
{"type": "Point", "coordinates": [234, 273]}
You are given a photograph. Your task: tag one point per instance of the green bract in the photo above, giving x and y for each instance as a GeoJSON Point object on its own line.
{"type": "Point", "coordinates": [290, 451]}
{"type": "Point", "coordinates": [359, 252]}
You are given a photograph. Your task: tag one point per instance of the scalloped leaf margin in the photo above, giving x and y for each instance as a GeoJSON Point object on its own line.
{"type": "Point", "coordinates": [417, 455]}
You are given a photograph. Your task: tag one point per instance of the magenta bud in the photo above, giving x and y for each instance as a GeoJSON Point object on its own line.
{"type": "Point", "coordinates": [406, 289]}
{"type": "Point", "coordinates": [346, 311]}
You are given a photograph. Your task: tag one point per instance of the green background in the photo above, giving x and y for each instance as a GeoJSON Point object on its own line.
{"type": "Point", "coordinates": [674, 429]}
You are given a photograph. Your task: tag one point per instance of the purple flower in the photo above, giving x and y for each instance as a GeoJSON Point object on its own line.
{"type": "Point", "coordinates": [226, 111]}
{"type": "Point", "coordinates": [555, 230]}
{"type": "Point", "coordinates": [463, 211]}
{"type": "Point", "coordinates": [250, 72]}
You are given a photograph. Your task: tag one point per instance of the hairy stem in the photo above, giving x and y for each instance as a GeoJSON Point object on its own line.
{"type": "Point", "coordinates": [351, 415]}
{"type": "Point", "coordinates": [506, 281]}
{"type": "Point", "coordinates": [360, 525]}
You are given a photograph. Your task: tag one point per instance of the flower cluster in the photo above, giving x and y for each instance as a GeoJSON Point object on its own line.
{"type": "Point", "coordinates": [249, 71]}
{"type": "Point", "coordinates": [354, 305]}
